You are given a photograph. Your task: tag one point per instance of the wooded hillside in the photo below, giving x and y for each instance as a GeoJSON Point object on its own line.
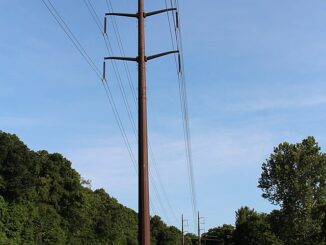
{"type": "Point", "coordinates": [43, 200]}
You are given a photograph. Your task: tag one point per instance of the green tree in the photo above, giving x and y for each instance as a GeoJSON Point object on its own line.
{"type": "Point", "coordinates": [253, 228]}
{"type": "Point", "coordinates": [43, 200]}
{"type": "Point", "coordinates": [294, 177]}
{"type": "Point", "coordinates": [3, 221]}
{"type": "Point", "coordinates": [191, 239]}
{"type": "Point", "coordinates": [222, 235]}
{"type": "Point", "coordinates": [47, 226]}
{"type": "Point", "coordinates": [17, 175]}
{"type": "Point", "coordinates": [161, 234]}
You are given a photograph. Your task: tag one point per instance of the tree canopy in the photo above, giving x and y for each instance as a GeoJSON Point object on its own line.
{"type": "Point", "coordinates": [294, 177]}
{"type": "Point", "coordinates": [43, 200]}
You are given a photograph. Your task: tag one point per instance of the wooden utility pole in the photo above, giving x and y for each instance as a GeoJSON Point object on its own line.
{"type": "Point", "coordinates": [143, 183]}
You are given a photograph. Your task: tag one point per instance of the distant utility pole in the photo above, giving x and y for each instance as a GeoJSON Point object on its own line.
{"type": "Point", "coordinates": [184, 223]}
{"type": "Point", "coordinates": [198, 226]}
{"type": "Point", "coordinates": [141, 59]}
{"type": "Point", "coordinates": [201, 221]}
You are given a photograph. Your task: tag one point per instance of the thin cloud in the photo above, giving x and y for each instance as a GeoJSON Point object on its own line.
{"type": "Point", "coordinates": [271, 103]}
{"type": "Point", "coordinates": [20, 121]}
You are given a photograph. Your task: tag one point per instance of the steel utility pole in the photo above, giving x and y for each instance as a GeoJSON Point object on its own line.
{"type": "Point", "coordinates": [143, 183]}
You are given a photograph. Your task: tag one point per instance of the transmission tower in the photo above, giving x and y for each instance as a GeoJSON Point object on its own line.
{"type": "Point", "coordinates": [141, 59]}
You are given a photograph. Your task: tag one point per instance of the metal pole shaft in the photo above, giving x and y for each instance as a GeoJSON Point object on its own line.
{"type": "Point", "coordinates": [143, 195]}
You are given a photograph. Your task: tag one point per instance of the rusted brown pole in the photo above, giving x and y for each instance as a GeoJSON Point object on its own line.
{"type": "Point", "coordinates": [143, 202]}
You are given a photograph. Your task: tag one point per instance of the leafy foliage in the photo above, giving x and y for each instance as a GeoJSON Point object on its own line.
{"type": "Point", "coordinates": [162, 234]}
{"type": "Point", "coordinates": [294, 177]}
{"type": "Point", "coordinates": [253, 228]}
{"type": "Point", "coordinates": [43, 200]}
{"type": "Point", "coordinates": [223, 235]}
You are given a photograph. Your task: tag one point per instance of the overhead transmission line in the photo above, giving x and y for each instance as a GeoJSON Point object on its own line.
{"type": "Point", "coordinates": [100, 26]}
{"type": "Point", "coordinates": [48, 4]}
{"type": "Point", "coordinates": [60, 21]}
{"type": "Point", "coordinates": [177, 43]}
{"type": "Point", "coordinates": [152, 155]}
{"type": "Point", "coordinates": [108, 45]}
{"type": "Point", "coordinates": [176, 40]}
{"type": "Point", "coordinates": [95, 17]}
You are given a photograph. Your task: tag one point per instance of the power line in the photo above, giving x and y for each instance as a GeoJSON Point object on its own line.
{"type": "Point", "coordinates": [92, 65]}
{"type": "Point", "coordinates": [141, 59]}
{"type": "Point", "coordinates": [122, 51]}
{"type": "Point", "coordinates": [96, 19]}
{"type": "Point", "coordinates": [71, 36]}
{"type": "Point", "coordinates": [121, 87]}
{"type": "Point", "coordinates": [183, 100]}
{"type": "Point", "coordinates": [87, 58]}
{"type": "Point", "coordinates": [53, 11]}
{"type": "Point", "coordinates": [121, 48]}
{"type": "Point", "coordinates": [132, 121]}
{"type": "Point", "coordinates": [186, 116]}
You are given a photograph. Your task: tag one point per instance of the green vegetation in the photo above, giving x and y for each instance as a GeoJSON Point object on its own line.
{"type": "Point", "coordinates": [43, 200]}
{"type": "Point", "coordinates": [294, 178]}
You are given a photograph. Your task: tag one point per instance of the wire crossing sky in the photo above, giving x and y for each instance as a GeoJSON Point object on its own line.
{"type": "Point", "coordinates": [182, 90]}
{"type": "Point", "coordinates": [255, 78]}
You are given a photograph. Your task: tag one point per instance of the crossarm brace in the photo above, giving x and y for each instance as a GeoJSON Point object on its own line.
{"type": "Point", "coordinates": [123, 14]}
{"type": "Point", "coordinates": [145, 14]}
{"type": "Point", "coordinates": [159, 12]}
{"type": "Point", "coordinates": [121, 58]}
{"type": "Point", "coordinates": [147, 58]}
{"type": "Point", "coordinates": [161, 54]}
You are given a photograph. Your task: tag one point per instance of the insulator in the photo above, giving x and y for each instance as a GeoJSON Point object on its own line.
{"type": "Point", "coordinates": [104, 71]}
{"type": "Point", "coordinates": [105, 24]}
{"type": "Point", "coordinates": [177, 19]}
{"type": "Point", "coordinates": [179, 59]}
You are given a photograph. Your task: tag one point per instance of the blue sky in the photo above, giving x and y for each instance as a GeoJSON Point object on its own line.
{"type": "Point", "coordinates": [255, 75]}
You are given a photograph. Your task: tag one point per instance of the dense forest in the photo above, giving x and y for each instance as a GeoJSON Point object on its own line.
{"type": "Point", "coordinates": [43, 200]}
